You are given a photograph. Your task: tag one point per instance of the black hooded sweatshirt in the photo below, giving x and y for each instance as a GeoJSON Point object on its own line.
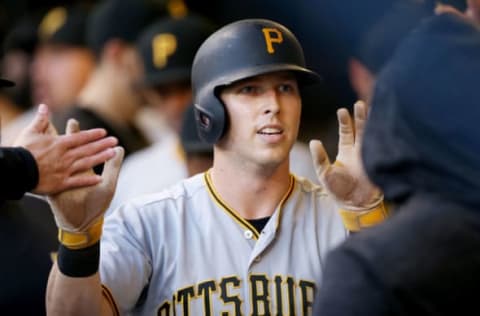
{"type": "Point", "coordinates": [422, 147]}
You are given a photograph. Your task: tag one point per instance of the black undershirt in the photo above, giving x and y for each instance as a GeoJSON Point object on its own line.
{"type": "Point", "coordinates": [259, 223]}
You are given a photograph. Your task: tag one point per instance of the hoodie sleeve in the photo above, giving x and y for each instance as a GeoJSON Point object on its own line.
{"type": "Point", "coordinates": [18, 173]}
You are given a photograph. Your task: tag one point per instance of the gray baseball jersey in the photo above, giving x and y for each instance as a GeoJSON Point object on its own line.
{"type": "Point", "coordinates": [186, 252]}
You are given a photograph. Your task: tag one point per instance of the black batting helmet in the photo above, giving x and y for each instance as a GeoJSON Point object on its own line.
{"type": "Point", "coordinates": [237, 51]}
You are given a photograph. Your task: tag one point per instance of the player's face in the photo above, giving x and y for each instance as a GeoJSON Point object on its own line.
{"type": "Point", "coordinates": [59, 73]}
{"type": "Point", "coordinates": [264, 114]}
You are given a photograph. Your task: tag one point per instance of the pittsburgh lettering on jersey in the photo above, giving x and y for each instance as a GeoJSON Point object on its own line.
{"type": "Point", "coordinates": [279, 296]}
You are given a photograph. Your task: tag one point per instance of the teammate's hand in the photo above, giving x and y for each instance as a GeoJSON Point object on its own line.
{"type": "Point", "coordinates": [61, 158]}
{"type": "Point", "coordinates": [346, 179]}
{"type": "Point", "coordinates": [77, 209]}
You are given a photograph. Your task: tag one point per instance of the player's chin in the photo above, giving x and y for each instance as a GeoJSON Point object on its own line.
{"type": "Point", "coordinates": [274, 156]}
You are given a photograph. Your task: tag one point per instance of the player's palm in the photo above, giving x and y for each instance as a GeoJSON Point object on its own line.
{"type": "Point", "coordinates": [346, 179]}
{"type": "Point", "coordinates": [77, 209]}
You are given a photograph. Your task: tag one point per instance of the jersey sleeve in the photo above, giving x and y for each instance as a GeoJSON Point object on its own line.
{"type": "Point", "coordinates": [125, 265]}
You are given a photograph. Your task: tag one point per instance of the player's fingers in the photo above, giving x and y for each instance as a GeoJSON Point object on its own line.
{"type": "Point", "coordinates": [346, 136]}
{"type": "Point", "coordinates": [81, 180]}
{"type": "Point", "coordinates": [83, 137]}
{"type": "Point", "coordinates": [93, 147]}
{"type": "Point", "coordinates": [72, 127]}
{"type": "Point", "coordinates": [111, 170]}
{"type": "Point", "coordinates": [360, 113]}
{"type": "Point", "coordinates": [93, 160]}
{"type": "Point", "coordinates": [320, 158]}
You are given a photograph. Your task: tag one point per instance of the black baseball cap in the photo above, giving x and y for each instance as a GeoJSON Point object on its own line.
{"type": "Point", "coordinates": [6, 83]}
{"type": "Point", "coordinates": [64, 25]}
{"type": "Point", "coordinates": [168, 46]}
{"type": "Point", "coordinates": [118, 19]}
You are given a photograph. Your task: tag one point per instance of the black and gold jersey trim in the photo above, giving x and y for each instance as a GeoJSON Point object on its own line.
{"type": "Point", "coordinates": [285, 197]}
{"type": "Point", "coordinates": [234, 214]}
{"type": "Point", "coordinates": [110, 300]}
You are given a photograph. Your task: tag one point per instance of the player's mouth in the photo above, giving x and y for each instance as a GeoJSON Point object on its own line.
{"type": "Point", "coordinates": [271, 133]}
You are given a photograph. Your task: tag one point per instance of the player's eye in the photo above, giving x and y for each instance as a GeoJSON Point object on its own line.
{"type": "Point", "coordinates": [249, 89]}
{"type": "Point", "coordinates": [287, 88]}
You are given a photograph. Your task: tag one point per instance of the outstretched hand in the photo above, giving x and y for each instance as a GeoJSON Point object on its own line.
{"type": "Point", "coordinates": [77, 209]}
{"type": "Point", "coordinates": [61, 159]}
{"type": "Point", "coordinates": [346, 179]}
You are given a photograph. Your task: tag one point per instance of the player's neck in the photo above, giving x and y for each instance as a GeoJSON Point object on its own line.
{"type": "Point", "coordinates": [253, 194]}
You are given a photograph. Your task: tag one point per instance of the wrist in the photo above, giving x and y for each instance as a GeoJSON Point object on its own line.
{"type": "Point", "coordinates": [371, 203]}
{"type": "Point", "coordinates": [76, 240]}
{"type": "Point", "coordinates": [79, 263]}
{"type": "Point", "coordinates": [358, 218]}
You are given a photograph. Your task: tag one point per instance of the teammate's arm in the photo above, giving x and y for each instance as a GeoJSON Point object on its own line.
{"type": "Point", "coordinates": [360, 201]}
{"type": "Point", "coordinates": [74, 285]}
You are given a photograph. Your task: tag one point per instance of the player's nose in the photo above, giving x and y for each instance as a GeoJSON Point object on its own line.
{"type": "Point", "coordinates": [271, 102]}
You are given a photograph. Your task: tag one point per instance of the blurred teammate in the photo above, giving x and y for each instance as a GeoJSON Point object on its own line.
{"type": "Point", "coordinates": [62, 63]}
{"type": "Point", "coordinates": [108, 99]}
{"type": "Point", "coordinates": [167, 48]}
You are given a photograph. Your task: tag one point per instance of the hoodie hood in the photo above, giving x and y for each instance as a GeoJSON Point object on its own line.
{"type": "Point", "coordinates": [423, 131]}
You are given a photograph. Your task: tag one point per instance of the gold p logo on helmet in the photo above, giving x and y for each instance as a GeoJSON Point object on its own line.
{"type": "Point", "coordinates": [163, 45]}
{"type": "Point", "coordinates": [272, 35]}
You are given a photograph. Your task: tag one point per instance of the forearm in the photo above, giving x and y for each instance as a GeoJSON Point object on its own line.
{"type": "Point", "coordinates": [74, 286]}
{"type": "Point", "coordinates": [75, 295]}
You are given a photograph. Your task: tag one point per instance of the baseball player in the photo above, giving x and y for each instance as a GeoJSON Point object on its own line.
{"type": "Point", "coordinates": [244, 238]}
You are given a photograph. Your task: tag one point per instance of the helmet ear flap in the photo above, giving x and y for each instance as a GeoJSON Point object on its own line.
{"type": "Point", "coordinates": [211, 121]}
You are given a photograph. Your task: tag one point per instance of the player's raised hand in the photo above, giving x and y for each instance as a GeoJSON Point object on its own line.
{"type": "Point", "coordinates": [77, 209]}
{"type": "Point", "coordinates": [60, 159]}
{"type": "Point", "coordinates": [346, 179]}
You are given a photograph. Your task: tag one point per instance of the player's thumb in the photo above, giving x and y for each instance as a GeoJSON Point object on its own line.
{"type": "Point", "coordinates": [72, 127]}
{"type": "Point", "coordinates": [111, 169]}
{"type": "Point", "coordinates": [40, 122]}
{"type": "Point", "coordinates": [320, 158]}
